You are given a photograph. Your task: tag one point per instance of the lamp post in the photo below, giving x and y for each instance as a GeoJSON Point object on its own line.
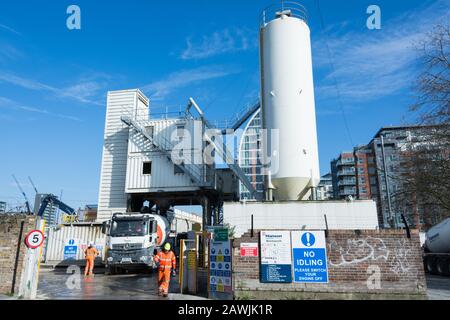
{"type": "Point", "coordinates": [392, 219]}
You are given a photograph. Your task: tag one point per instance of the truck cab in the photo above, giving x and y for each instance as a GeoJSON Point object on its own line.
{"type": "Point", "coordinates": [130, 242]}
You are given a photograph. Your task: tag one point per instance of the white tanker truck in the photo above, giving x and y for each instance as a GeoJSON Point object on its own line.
{"type": "Point", "coordinates": [436, 256]}
{"type": "Point", "coordinates": [131, 239]}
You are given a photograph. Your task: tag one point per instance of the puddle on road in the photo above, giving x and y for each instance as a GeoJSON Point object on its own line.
{"type": "Point", "coordinates": [53, 285]}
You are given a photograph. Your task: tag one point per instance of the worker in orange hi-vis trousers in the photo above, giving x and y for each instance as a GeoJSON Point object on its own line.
{"type": "Point", "coordinates": [166, 267]}
{"type": "Point", "coordinates": [90, 253]}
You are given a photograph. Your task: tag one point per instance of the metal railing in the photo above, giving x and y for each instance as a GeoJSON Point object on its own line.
{"type": "Point", "coordinates": [165, 146]}
{"type": "Point", "coordinates": [346, 173]}
{"type": "Point", "coordinates": [347, 182]}
{"type": "Point", "coordinates": [290, 8]}
{"type": "Point", "coordinates": [244, 114]}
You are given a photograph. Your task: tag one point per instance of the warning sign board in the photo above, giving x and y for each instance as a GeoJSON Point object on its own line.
{"type": "Point", "coordinates": [276, 263]}
{"type": "Point", "coordinates": [70, 249]}
{"type": "Point", "coordinates": [249, 249]}
{"type": "Point", "coordinates": [220, 267]}
{"type": "Point", "coordinates": [310, 256]}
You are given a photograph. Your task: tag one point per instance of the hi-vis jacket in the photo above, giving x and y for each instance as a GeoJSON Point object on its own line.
{"type": "Point", "coordinates": [90, 253]}
{"type": "Point", "coordinates": [166, 261]}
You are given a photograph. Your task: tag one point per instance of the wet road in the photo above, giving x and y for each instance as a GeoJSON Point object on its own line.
{"type": "Point", "coordinates": [438, 287]}
{"type": "Point", "coordinates": [56, 284]}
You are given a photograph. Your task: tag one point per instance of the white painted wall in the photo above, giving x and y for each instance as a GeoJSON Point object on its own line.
{"type": "Point", "coordinates": [162, 176]}
{"type": "Point", "coordinates": [112, 197]}
{"type": "Point", "coordinates": [341, 215]}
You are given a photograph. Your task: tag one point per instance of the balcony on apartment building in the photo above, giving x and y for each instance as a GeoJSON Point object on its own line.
{"type": "Point", "coordinates": [347, 182]}
{"type": "Point", "coordinates": [346, 172]}
{"type": "Point", "coordinates": [346, 162]}
{"type": "Point", "coordinates": [348, 192]}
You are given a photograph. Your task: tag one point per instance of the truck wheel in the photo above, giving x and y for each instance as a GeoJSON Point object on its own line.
{"type": "Point", "coordinates": [431, 265]}
{"type": "Point", "coordinates": [443, 266]}
{"type": "Point", "coordinates": [109, 270]}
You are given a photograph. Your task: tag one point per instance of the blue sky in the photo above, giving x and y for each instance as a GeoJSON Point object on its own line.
{"type": "Point", "coordinates": [53, 81]}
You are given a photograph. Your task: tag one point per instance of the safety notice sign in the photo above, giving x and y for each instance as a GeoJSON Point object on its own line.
{"type": "Point", "coordinates": [220, 266]}
{"type": "Point", "coordinates": [310, 256]}
{"type": "Point", "coordinates": [276, 264]}
{"type": "Point", "coordinates": [249, 249]}
{"type": "Point", "coordinates": [70, 249]}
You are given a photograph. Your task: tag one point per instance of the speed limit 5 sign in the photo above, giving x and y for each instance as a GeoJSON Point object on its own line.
{"type": "Point", "coordinates": [34, 239]}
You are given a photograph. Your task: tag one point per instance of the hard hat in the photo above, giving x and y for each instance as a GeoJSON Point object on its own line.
{"type": "Point", "coordinates": [167, 246]}
{"type": "Point", "coordinates": [91, 244]}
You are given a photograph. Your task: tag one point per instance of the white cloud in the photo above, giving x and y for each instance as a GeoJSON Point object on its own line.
{"type": "Point", "coordinates": [378, 63]}
{"type": "Point", "coordinates": [24, 82]}
{"type": "Point", "coordinates": [229, 40]}
{"type": "Point", "coordinates": [9, 29]}
{"type": "Point", "coordinates": [9, 53]}
{"type": "Point", "coordinates": [79, 91]}
{"type": "Point", "coordinates": [83, 90]}
{"type": "Point", "coordinates": [158, 90]}
{"type": "Point", "coordinates": [11, 104]}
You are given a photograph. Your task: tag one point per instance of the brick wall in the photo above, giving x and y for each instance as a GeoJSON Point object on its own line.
{"type": "Point", "coordinates": [353, 257]}
{"type": "Point", "coordinates": [10, 226]}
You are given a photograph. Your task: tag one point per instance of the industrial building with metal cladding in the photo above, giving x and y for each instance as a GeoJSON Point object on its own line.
{"type": "Point", "coordinates": [264, 231]}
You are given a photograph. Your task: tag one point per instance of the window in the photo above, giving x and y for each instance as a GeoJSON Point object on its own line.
{"type": "Point", "coordinates": [180, 130]}
{"type": "Point", "coordinates": [147, 168]}
{"type": "Point", "coordinates": [150, 130]}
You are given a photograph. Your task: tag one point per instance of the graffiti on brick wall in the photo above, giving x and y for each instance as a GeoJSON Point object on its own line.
{"type": "Point", "coordinates": [399, 258]}
{"type": "Point", "coordinates": [372, 250]}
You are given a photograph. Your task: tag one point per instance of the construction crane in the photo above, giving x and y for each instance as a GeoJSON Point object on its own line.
{"type": "Point", "coordinates": [34, 187]}
{"type": "Point", "coordinates": [27, 203]}
{"type": "Point", "coordinates": [50, 198]}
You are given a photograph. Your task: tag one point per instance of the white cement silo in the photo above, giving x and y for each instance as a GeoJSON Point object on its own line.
{"type": "Point", "coordinates": [287, 94]}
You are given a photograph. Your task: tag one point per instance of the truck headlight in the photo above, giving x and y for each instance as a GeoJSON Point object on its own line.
{"type": "Point", "coordinates": [143, 258]}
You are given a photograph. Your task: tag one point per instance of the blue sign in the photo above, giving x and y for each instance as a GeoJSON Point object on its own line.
{"type": "Point", "coordinates": [70, 252]}
{"type": "Point", "coordinates": [273, 273]}
{"type": "Point", "coordinates": [308, 239]}
{"type": "Point", "coordinates": [276, 261]}
{"type": "Point", "coordinates": [310, 257]}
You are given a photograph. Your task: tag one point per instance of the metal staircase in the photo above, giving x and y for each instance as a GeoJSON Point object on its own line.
{"type": "Point", "coordinates": [222, 149]}
{"type": "Point", "coordinates": [164, 146]}
{"type": "Point", "coordinates": [225, 154]}
{"type": "Point", "coordinates": [244, 115]}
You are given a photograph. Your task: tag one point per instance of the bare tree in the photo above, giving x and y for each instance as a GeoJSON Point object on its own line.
{"type": "Point", "coordinates": [425, 179]}
{"type": "Point", "coordinates": [433, 85]}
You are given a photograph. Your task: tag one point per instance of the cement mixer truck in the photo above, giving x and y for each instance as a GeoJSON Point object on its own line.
{"type": "Point", "coordinates": [131, 239]}
{"type": "Point", "coordinates": [436, 254]}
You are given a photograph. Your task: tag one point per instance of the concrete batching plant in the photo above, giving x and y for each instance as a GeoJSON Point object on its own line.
{"type": "Point", "coordinates": [138, 164]}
